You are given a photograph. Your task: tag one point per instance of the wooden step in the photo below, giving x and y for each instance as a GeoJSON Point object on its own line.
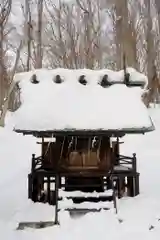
{"type": "Point", "coordinates": [84, 210]}
{"type": "Point", "coordinates": [91, 199]}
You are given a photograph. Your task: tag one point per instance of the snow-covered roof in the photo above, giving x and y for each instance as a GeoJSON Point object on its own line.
{"type": "Point", "coordinates": [70, 105]}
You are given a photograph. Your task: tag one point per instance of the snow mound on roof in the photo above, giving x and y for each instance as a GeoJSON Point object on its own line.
{"type": "Point", "coordinates": [71, 105]}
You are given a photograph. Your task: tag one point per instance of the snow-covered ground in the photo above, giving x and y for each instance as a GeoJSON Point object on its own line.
{"type": "Point", "coordinates": [140, 215]}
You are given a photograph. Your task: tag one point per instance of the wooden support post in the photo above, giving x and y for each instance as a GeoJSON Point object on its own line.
{"type": "Point", "coordinates": [35, 189]}
{"type": "Point", "coordinates": [60, 182]}
{"type": "Point", "coordinates": [48, 190]}
{"type": "Point", "coordinates": [42, 183]}
{"type": "Point", "coordinates": [56, 222]}
{"type": "Point", "coordinates": [136, 180]}
{"type": "Point", "coordinates": [109, 183]}
{"type": "Point", "coordinates": [117, 151]}
{"type": "Point", "coordinates": [114, 196]}
{"type": "Point", "coordinates": [33, 163]}
{"type": "Point", "coordinates": [40, 187]}
{"type": "Point", "coordinates": [120, 186]}
{"type": "Point", "coordinates": [134, 163]}
{"type": "Point", "coordinates": [130, 186]}
{"type": "Point", "coordinates": [30, 183]}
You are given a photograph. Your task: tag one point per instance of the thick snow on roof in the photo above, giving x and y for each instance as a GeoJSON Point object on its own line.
{"type": "Point", "coordinates": [71, 105]}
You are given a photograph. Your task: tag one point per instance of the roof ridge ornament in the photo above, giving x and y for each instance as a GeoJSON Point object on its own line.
{"type": "Point", "coordinates": [82, 80]}
{"type": "Point", "coordinates": [104, 82]}
{"type": "Point", "coordinates": [34, 79]}
{"type": "Point", "coordinates": [58, 79]}
{"type": "Point", "coordinates": [126, 74]}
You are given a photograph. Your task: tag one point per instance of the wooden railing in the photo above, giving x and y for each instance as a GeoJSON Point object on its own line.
{"type": "Point", "coordinates": [36, 163]}
{"type": "Point", "coordinates": [126, 161]}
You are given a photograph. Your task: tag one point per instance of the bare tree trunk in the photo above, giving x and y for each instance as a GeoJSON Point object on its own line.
{"type": "Point", "coordinates": [10, 88]}
{"type": "Point", "coordinates": [88, 59]}
{"type": "Point", "coordinates": [5, 9]}
{"type": "Point", "coordinates": [125, 35]}
{"type": "Point", "coordinates": [28, 24]}
{"type": "Point", "coordinates": [39, 35]}
{"type": "Point", "coordinates": [118, 34]}
{"type": "Point", "coordinates": [150, 44]}
{"type": "Point", "coordinates": [1, 65]}
{"type": "Point", "coordinates": [157, 2]}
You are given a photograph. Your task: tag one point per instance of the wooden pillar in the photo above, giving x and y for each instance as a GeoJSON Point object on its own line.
{"type": "Point", "coordinates": [40, 186]}
{"type": "Point", "coordinates": [33, 163]}
{"type": "Point", "coordinates": [134, 163]}
{"type": "Point", "coordinates": [109, 183]}
{"type": "Point", "coordinates": [114, 195]}
{"type": "Point", "coordinates": [56, 222]}
{"type": "Point", "coordinates": [60, 182]}
{"type": "Point", "coordinates": [48, 190]}
{"type": "Point", "coordinates": [35, 189]}
{"type": "Point", "coordinates": [33, 181]}
{"type": "Point", "coordinates": [136, 179]}
{"type": "Point", "coordinates": [130, 186]}
{"type": "Point", "coordinates": [42, 183]}
{"type": "Point", "coordinates": [117, 151]}
{"type": "Point", "coordinates": [30, 183]}
{"type": "Point", "coordinates": [43, 151]}
{"type": "Point", "coordinates": [119, 187]}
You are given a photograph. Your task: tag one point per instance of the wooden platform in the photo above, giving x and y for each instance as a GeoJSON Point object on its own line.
{"type": "Point", "coordinates": [44, 184]}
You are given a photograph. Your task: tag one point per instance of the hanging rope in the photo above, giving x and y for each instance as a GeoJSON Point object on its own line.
{"type": "Point", "coordinates": [62, 148]}
{"type": "Point", "coordinates": [93, 142]}
{"type": "Point", "coordinates": [75, 144]}
{"type": "Point", "coordinates": [89, 149]}
{"type": "Point", "coordinates": [98, 150]}
{"type": "Point", "coordinates": [69, 148]}
{"type": "Point", "coordinates": [49, 143]}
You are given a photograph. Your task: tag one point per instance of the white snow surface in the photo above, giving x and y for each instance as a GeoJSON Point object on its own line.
{"type": "Point", "coordinates": [71, 105]}
{"type": "Point", "coordinates": [138, 214]}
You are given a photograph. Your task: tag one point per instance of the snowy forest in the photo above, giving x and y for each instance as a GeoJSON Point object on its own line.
{"type": "Point", "coordinates": [79, 34]}
{"type": "Point", "coordinates": [80, 119]}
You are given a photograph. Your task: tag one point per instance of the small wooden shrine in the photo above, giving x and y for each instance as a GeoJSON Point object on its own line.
{"type": "Point", "coordinates": [77, 155]}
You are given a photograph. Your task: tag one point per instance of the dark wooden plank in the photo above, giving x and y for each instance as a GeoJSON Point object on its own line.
{"type": "Point", "coordinates": [91, 199]}
{"type": "Point", "coordinates": [85, 210]}
{"type": "Point", "coordinates": [56, 199]}
{"type": "Point", "coordinates": [35, 225]}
